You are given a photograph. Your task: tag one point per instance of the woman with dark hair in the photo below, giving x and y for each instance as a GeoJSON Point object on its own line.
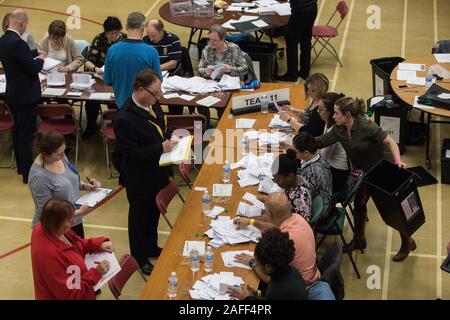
{"type": "Point", "coordinates": [95, 61]}
{"type": "Point", "coordinates": [60, 46]}
{"type": "Point", "coordinates": [57, 256]}
{"type": "Point", "coordinates": [284, 171]}
{"type": "Point", "coordinates": [313, 168]}
{"type": "Point", "coordinates": [365, 144]}
{"type": "Point", "coordinates": [52, 175]}
{"type": "Point", "coordinates": [335, 154]}
{"type": "Point", "coordinates": [273, 255]}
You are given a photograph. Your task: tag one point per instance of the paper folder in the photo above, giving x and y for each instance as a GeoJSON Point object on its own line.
{"type": "Point", "coordinates": [180, 153]}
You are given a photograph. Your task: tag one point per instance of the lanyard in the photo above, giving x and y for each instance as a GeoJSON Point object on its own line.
{"type": "Point", "coordinates": [158, 127]}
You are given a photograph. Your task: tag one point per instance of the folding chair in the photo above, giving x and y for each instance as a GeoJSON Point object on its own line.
{"type": "Point", "coordinates": [184, 169]}
{"type": "Point", "coordinates": [194, 124]}
{"type": "Point", "coordinates": [317, 209]}
{"type": "Point", "coordinates": [324, 33]}
{"type": "Point", "coordinates": [128, 267]}
{"type": "Point", "coordinates": [329, 266]}
{"type": "Point", "coordinates": [108, 118]}
{"type": "Point", "coordinates": [82, 47]}
{"type": "Point", "coordinates": [164, 197]}
{"type": "Point", "coordinates": [59, 118]}
{"type": "Point", "coordinates": [6, 125]}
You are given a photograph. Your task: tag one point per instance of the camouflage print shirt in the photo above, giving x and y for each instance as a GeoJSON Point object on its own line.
{"type": "Point", "coordinates": [99, 47]}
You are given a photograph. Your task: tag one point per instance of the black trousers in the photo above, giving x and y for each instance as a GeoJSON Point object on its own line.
{"type": "Point", "coordinates": [340, 178]}
{"type": "Point", "coordinates": [299, 31]}
{"type": "Point", "coordinates": [25, 118]}
{"type": "Point", "coordinates": [143, 219]}
{"type": "Point", "coordinates": [92, 110]}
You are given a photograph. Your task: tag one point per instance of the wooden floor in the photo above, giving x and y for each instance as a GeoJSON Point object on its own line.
{"type": "Point", "coordinates": [408, 28]}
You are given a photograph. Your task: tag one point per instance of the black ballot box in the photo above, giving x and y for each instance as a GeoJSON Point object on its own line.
{"type": "Point", "coordinates": [395, 195]}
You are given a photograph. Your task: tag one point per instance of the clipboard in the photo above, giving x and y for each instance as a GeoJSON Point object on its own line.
{"type": "Point", "coordinates": [180, 153]}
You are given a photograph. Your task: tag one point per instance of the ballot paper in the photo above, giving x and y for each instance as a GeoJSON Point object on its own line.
{"type": "Point", "coordinates": [56, 79]}
{"type": "Point", "coordinates": [179, 153]}
{"type": "Point", "coordinates": [191, 245]}
{"type": "Point", "coordinates": [187, 97]}
{"type": "Point", "coordinates": [277, 123]}
{"type": "Point", "coordinates": [94, 197]}
{"type": "Point", "coordinates": [244, 123]}
{"type": "Point", "coordinates": [53, 92]}
{"type": "Point", "coordinates": [91, 261]}
{"type": "Point", "coordinates": [217, 71]}
{"type": "Point", "coordinates": [100, 96]}
{"type": "Point", "coordinates": [247, 210]}
{"type": "Point", "coordinates": [229, 256]}
{"type": "Point", "coordinates": [50, 63]}
{"type": "Point", "coordinates": [444, 96]}
{"type": "Point", "coordinates": [228, 82]}
{"type": "Point", "coordinates": [215, 211]}
{"type": "Point", "coordinates": [268, 186]}
{"type": "Point", "coordinates": [260, 23]}
{"type": "Point", "coordinates": [74, 94]}
{"type": "Point", "coordinates": [253, 200]}
{"type": "Point", "coordinates": [442, 57]}
{"type": "Point", "coordinates": [100, 76]}
{"type": "Point", "coordinates": [215, 286]}
{"type": "Point", "coordinates": [406, 74]}
{"type": "Point", "coordinates": [208, 101]}
{"type": "Point", "coordinates": [222, 190]}
{"type": "Point", "coordinates": [227, 25]}
{"type": "Point", "coordinates": [171, 95]}
{"type": "Point", "coordinates": [411, 66]}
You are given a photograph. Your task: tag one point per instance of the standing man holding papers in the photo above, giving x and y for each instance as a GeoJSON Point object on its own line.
{"type": "Point", "coordinates": [141, 135]}
{"type": "Point", "coordinates": [23, 89]}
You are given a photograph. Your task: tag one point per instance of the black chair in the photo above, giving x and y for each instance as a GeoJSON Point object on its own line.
{"type": "Point", "coordinates": [329, 266]}
{"type": "Point", "coordinates": [186, 64]}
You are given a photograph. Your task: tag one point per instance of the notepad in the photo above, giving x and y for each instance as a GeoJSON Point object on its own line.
{"type": "Point", "coordinates": [94, 197]}
{"type": "Point", "coordinates": [53, 92]}
{"type": "Point", "coordinates": [114, 266]}
{"type": "Point", "coordinates": [179, 153]}
{"type": "Point", "coordinates": [208, 101]}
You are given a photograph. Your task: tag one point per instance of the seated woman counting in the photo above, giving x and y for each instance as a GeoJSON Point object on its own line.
{"type": "Point", "coordinates": [57, 256]}
{"type": "Point", "coordinates": [52, 175]}
{"type": "Point", "coordinates": [316, 85]}
{"type": "Point", "coordinates": [334, 154]}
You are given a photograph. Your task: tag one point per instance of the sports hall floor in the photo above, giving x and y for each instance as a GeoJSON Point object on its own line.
{"type": "Point", "coordinates": [409, 28]}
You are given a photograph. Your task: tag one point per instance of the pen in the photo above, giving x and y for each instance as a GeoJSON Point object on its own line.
{"type": "Point", "coordinates": [89, 180]}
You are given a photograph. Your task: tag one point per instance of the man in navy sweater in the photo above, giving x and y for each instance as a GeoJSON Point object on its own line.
{"type": "Point", "coordinates": [128, 57]}
{"type": "Point", "coordinates": [23, 89]}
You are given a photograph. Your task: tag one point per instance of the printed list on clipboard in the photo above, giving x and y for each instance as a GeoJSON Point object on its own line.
{"type": "Point", "coordinates": [91, 260]}
{"type": "Point", "coordinates": [179, 153]}
{"type": "Point", "coordinates": [94, 197]}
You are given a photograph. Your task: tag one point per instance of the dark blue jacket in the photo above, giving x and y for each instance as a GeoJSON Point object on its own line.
{"type": "Point", "coordinates": [21, 70]}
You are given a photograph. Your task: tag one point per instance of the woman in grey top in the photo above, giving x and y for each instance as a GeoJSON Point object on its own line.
{"type": "Point", "coordinates": [52, 175]}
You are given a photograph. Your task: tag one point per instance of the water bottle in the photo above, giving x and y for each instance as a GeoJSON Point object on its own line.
{"type": "Point", "coordinates": [245, 146]}
{"type": "Point", "coordinates": [209, 259]}
{"type": "Point", "coordinates": [206, 202]}
{"type": "Point", "coordinates": [226, 171]}
{"type": "Point", "coordinates": [173, 282]}
{"type": "Point", "coordinates": [264, 104]}
{"type": "Point", "coordinates": [195, 260]}
{"type": "Point", "coordinates": [429, 79]}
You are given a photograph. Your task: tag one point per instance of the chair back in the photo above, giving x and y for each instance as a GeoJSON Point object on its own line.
{"type": "Point", "coordinates": [55, 111]}
{"type": "Point", "coordinates": [195, 124]}
{"type": "Point", "coordinates": [165, 196]}
{"type": "Point", "coordinates": [6, 118]}
{"type": "Point", "coordinates": [329, 266]}
{"type": "Point", "coordinates": [316, 209]}
{"type": "Point", "coordinates": [342, 8]}
{"type": "Point", "coordinates": [184, 172]}
{"type": "Point", "coordinates": [129, 266]}
{"type": "Point", "coordinates": [82, 47]}
{"type": "Point", "coordinates": [186, 63]}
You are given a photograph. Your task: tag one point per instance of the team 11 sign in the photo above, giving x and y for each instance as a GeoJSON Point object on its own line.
{"type": "Point", "coordinates": [255, 99]}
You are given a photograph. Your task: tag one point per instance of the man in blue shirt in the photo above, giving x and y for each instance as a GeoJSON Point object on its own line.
{"type": "Point", "coordinates": [128, 57]}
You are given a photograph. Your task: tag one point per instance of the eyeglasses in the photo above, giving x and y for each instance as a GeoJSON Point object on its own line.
{"type": "Point", "coordinates": [155, 95]}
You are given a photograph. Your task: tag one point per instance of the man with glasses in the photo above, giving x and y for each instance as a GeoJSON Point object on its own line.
{"type": "Point", "coordinates": [141, 138]}
{"type": "Point", "coordinates": [95, 61]}
{"type": "Point", "coordinates": [127, 58]}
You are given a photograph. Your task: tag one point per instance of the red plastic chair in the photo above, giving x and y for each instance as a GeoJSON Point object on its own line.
{"type": "Point", "coordinates": [108, 119]}
{"type": "Point", "coordinates": [189, 122]}
{"type": "Point", "coordinates": [6, 125]}
{"type": "Point", "coordinates": [59, 118]}
{"type": "Point", "coordinates": [324, 33]}
{"type": "Point", "coordinates": [184, 169]}
{"type": "Point", "coordinates": [129, 267]}
{"type": "Point", "coordinates": [164, 197]}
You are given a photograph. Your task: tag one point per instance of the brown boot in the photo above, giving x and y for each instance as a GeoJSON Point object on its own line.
{"type": "Point", "coordinates": [408, 245]}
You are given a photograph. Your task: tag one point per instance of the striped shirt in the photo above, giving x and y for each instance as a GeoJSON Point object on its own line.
{"type": "Point", "coordinates": [169, 48]}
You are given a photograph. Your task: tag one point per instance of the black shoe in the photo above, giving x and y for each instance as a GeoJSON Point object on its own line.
{"type": "Point", "coordinates": [156, 253]}
{"type": "Point", "coordinates": [89, 132]}
{"type": "Point", "coordinates": [146, 268]}
{"type": "Point", "coordinates": [286, 77]}
{"type": "Point", "coordinates": [25, 180]}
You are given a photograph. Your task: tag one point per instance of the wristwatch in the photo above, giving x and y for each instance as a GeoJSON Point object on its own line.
{"type": "Point", "coordinates": [252, 263]}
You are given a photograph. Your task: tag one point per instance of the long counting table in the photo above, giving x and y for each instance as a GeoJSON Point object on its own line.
{"type": "Point", "coordinates": [190, 225]}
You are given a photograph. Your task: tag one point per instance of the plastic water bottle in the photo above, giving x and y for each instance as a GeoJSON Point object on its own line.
{"type": "Point", "coordinates": [206, 202]}
{"type": "Point", "coordinates": [195, 260]}
{"type": "Point", "coordinates": [173, 282]}
{"type": "Point", "coordinates": [264, 104]}
{"type": "Point", "coordinates": [226, 171]}
{"type": "Point", "coordinates": [245, 146]}
{"type": "Point", "coordinates": [209, 259]}
{"type": "Point", "coordinates": [429, 79]}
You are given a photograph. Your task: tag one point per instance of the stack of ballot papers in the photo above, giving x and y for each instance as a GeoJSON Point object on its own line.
{"type": "Point", "coordinates": [224, 231]}
{"type": "Point", "coordinates": [215, 286]}
{"type": "Point", "coordinates": [228, 258]}
{"type": "Point", "coordinates": [91, 260]}
{"type": "Point", "coordinates": [56, 79]}
{"type": "Point", "coordinates": [268, 139]}
{"type": "Point", "coordinates": [228, 82]}
{"type": "Point", "coordinates": [277, 123]}
{"type": "Point", "coordinates": [199, 84]}
{"type": "Point", "coordinates": [268, 186]}
{"type": "Point", "coordinates": [254, 209]}
{"type": "Point", "coordinates": [82, 81]}
{"type": "Point", "coordinates": [255, 168]}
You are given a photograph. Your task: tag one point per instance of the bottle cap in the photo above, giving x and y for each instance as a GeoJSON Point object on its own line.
{"type": "Point", "coordinates": [173, 273]}
{"type": "Point", "coordinates": [227, 162]}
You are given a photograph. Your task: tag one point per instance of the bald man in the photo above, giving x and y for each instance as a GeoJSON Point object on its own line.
{"type": "Point", "coordinates": [23, 89]}
{"type": "Point", "coordinates": [278, 214]}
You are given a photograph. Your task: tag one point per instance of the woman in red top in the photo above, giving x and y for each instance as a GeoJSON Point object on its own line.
{"type": "Point", "coordinates": [57, 256]}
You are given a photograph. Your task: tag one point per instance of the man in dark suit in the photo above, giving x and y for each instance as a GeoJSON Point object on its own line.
{"type": "Point", "coordinates": [141, 138]}
{"type": "Point", "coordinates": [23, 89]}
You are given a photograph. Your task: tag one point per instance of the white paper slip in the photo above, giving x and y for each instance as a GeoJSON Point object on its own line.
{"type": "Point", "coordinates": [200, 188]}
{"type": "Point", "coordinates": [243, 4]}
{"type": "Point", "coordinates": [114, 266]}
{"type": "Point", "coordinates": [420, 81]}
{"type": "Point", "coordinates": [247, 210]}
{"type": "Point", "coordinates": [94, 197]}
{"type": "Point", "coordinates": [444, 96]}
{"type": "Point", "coordinates": [222, 190]}
{"type": "Point", "coordinates": [244, 123]}
{"type": "Point", "coordinates": [442, 57]}
{"type": "Point", "coordinates": [100, 96]}
{"type": "Point", "coordinates": [416, 104]}
{"type": "Point", "coordinates": [191, 245]}
{"type": "Point", "coordinates": [260, 23]}
{"type": "Point", "coordinates": [214, 212]}
{"type": "Point", "coordinates": [74, 94]}
{"type": "Point", "coordinates": [406, 74]}
{"type": "Point", "coordinates": [53, 92]}
{"type": "Point", "coordinates": [171, 95]}
{"type": "Point", "coordinates": [50, 63]}
{"type": "Point", "coordinates": [187, 97]}
{"type": "Point", "coordinates": [56, 79]}
{"type": "Point", "coordinates": [252, 199]}
{"type": "Point", "coordinates": [233, 8]}
{"type": "Point", "coordinates": [411, 66]}
{"type": "Point", "coordinates": [179, 153]}
{"type": "Point", "coordinates": [447, 153]}
{"type": "Point", "coordinates": [208, 101]}
{"type": "Point", "coordinates": [227, 25]}
{"type": "Point", "coordinates": [247, 18]}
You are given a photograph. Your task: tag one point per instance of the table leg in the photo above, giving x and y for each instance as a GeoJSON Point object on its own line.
{"type": "Point", "coordinates": [191, 35]}
{"type": "Point", "coordinates": [427, 151]}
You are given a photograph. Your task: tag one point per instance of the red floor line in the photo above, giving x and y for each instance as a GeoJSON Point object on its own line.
{"type": "Point", "coordinates": [7, 254]}
{"type": "Point", "coordinates": [50, 11]}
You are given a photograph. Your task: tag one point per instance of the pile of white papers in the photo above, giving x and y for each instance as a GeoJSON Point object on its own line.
{"type": "Point", "coordinates": [268, 139]}
{"type": "Point", "coordinates": [215, 286]}
{"type": "Point", "coordinates": [228, 258]}
{"type": "Point", "coordinates": [56, 79]}
{"type": "Point", "coordinates": [193, 85]}
{"type": "Point", "coordinates": [91, 260]}
{"type": "Point", "coordinates": [254, 209]}
{"type": "Point", "coordinates": [228, 82]}
{"type": "Point", "coordinates": [268, 186]}
{"type": "Point", "coordinates": [224, 231]}
{"type": "Point", "coordinates": [82, 81]}
{"type": "Point", "coordinates": [277, 123]}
